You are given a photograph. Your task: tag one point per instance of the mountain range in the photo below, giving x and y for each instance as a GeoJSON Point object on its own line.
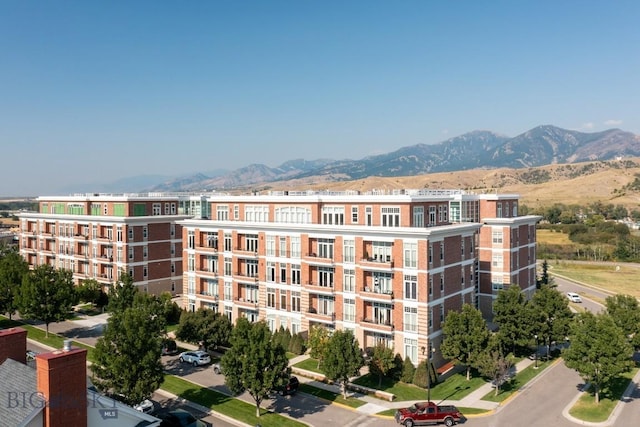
{"type": "Point", "coordinates": [542, 145]}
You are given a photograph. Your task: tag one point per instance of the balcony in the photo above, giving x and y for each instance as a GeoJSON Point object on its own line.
{"type": "Point", "coordinates": [314, 316]}
{"type": "Point", "coordinates": [206, 271]}
{"type": "Point", "coordinates": [245, 253]}
{"type": "Point", "coordinates": [377, 263]}
{"type": "Point", "coordinates": [207, 247]}
{"type": "Point", "coordinates": [314, 258]}
{"type": "Point", "coordinates": [209, 296]}
{"type": "Point", "coordinates": [245, 276]}
{"type": "Point", "coordinates": [245, 303]}
{"type": "Point", "coordinates": [376, 294]}
{"type": "Point", "coordinates": [376, 325]}
{"type": "Point", "coordinates": [316, 288]}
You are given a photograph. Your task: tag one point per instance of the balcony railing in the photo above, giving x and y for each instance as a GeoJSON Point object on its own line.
{"type": "Point", "coordinates": [378, 324]}
{"type": "Point", "coordinates": [377, 293]}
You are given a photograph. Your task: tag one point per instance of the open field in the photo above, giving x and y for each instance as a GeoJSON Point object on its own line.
{"type": "Point", "coordinates": [619, 278]}
{"type": "Point", "coordinates": [550, 237]}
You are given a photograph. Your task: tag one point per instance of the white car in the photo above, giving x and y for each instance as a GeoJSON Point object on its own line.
{"type": "Point", "coordinates": [573, 297]}
{"type": "Point", "coordinates": [145, 406]}
{"type": "Point", "coordinates": [196, 358]}
{"type": "Point", "coordinates": [217, 368]}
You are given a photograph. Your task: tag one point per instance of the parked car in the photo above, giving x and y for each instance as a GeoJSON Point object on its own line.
{"type": "Point", "coordinates": [573, 297]}
{"type": "Point", "coordinates": [169, 347]}
{"type": "Point", "coordinates": [181, 418]}
{"type": "Point", "coordinates": [291, 387]}
{"type": "Point", "coordinates": [145, 406]}
{"type": "Point", "coordinates": [196, 358]}
{"type": "Point", "coordinates": [217, 368]}
{"type": "Point", "coordinates": [423, 413]}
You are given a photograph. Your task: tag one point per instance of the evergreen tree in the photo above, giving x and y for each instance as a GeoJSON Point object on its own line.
{"type": "Point", "coordinates": [599, 350]}
{"type": "Point", "coordinates": [122, 293]}
{"type": "Point", "coordinates": [408, 371]}
{"type": "Point", "coordinates": [342, 358]}
{"type": "Point", "coordinates": [465, 336]}
{"type": "Point", "coordinates": [46, 294]}
{"type": "Point", "coordinates": [254, 363]}
{"type": "Point", "coordinates": [420, 374]}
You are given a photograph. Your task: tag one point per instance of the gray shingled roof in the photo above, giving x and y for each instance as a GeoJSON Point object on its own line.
{"type": "Point", "coordinates": [18, 400]}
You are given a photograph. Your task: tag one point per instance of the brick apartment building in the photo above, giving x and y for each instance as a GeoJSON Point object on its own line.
{"type": "Point", "coordinates": [96, 236]}
{"type": "Point", "coordinates": [386, 266]}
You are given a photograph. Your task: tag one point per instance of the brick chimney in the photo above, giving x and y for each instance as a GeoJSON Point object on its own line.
{"type": "Point", "coordinates": [62, 380]}
{"type": "Point", "coordinates": [13, 344]}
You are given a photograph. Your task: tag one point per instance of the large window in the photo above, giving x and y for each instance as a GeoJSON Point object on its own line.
{"type": "Point", "coordinates": [354, 214]}
{"type": "Point", "coordinates": [256, 213]}
{"type": "Point", "coordinates": [251, 242]}
{"type": "Point", "coordinates": [325, 248]}
{"type": "Point", "coordinates": [410, 287]}
{"type": "Point", "coordinates": [293, 215]}
{"type": "Point", "coordinates": [496, 237]}
{"type": "Point", "coordinates": [349, 281]}
{"type": "Point", "coordinates": [496, 260]}
{"type": "Point", "coordinates": [418, 216]}
{"type": "Point", "coordinates": [295, 301]}
{"type": "Point", "coordinates": [222, 213]}
{"type": "Point", "coordinates": [325, 305]}
{"type": "Point", "coordinates": [295, 246]}
{"type": "Point", "coordinates": [270, 245]}
{"type": "Point", "coordinates": [411, 349]}
{"type": "Point", "coordinates": [333, 215]}
{"type": "Point", "coordinates": [349, 310]}
{"type": "Point", "coordinates": [390, 216]}
{"type": "Point", "coordinates": [410, 254]}
{"type": "Point", "coordinates": [325, 276]}
{"type": "Point", "coordinates": [349, 251]}
{"type": "Point", "coordinates": [295, 274]}
{"type": "Point", "coordinates": [410, 319]}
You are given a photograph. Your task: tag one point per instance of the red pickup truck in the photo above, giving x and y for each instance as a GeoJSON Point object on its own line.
{"type": "Point", "coordinates": [428, 413]}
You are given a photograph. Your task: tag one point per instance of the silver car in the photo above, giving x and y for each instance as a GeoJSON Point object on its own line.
{"type": "Point", "coordinates": [196, 358]}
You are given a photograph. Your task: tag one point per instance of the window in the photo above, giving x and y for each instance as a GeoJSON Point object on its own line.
{"type": "Point", "coordinates": [432, 215]}
{"type": "Point", "coordinates": [349, 251]}
{"type": "Point", "coordinates": [173, 208]}
{"type": "Point", "coordinates": [418, 216]}
{"type": "Point", "coordinates": [430, 254]}
{"type": "Point", "coordinates": [130, 253]}
{"type": "Point", "coordinates": [368, 212]}
{"type": "Point", "coordinates": [515, 210]}
{"type": "Point", "coordinates": [145, 232]}
{"type": "Point", "coordinates": [349, 310]}
{"type": "Point", "coordinates": [430, 285]}
{"type": "Point", "coordinates": [381, 313]}
{"type": "Point", "coordinates": [119, 234]}
{"type": "Point", "coordinates": [496, 260]}
{"type": "Point", "coordinates": [212, 240]}
{"type": "Point", "coordinates": [441, 313]}
{"type": "Point", "coordinates": [295, 274]}
{"type": "Point", "coordinates": [144, 272]}
{"type": "Point", "coordinates": [156, 209]}
{"type": "Point", "coordinates": [410, 287]}
{"type": "Point", "coordinates": [222, 212]}
{"type": "Point", "coordinates": [333, 215]}
{"type": "Point", "coordinates": [271, 271]}
{"type": "Point", "coordinates": [251, 243]}
{"type": "Point", "coordinates": [442, 213]}
{"type": "Point", "coordinates": [382, 283]}
{"type": "Point", "coordinates": [228, 247]}
{"type": "Point", "coordinates": [496, 237]}
{"type": "Point", "coordinates": [293, 215]}
{"type": "Point", "coordinates": [442, 282]}
{"type": "Point", "coordinates": [295, 302]}
{"type": "Point", "coordinates": [390, 216]}
{"type": "Point", "coordinates": [381, 251]}
{"type": "Point", "coordinates": [191, 285]}
{"type": "Point", "coordinates": [283, 273]}
{"type": "Point", "coordinates": [411, 349]}
{"type": "Point", "coordinates": [167, 208]}
{"type": "Point", "coordinates": [441, 251]}
{"type": "Point", "coordinates": [251, 267]}
{"type": "Point", "coordinates": [496, 283]}
{"type": "Point", "coordinates": [106, 209]}
{"type": "Point", "coordinates": [283, 247]}
{"type": "Point", "coordinates": [130, 233]}
{"type": "Point", "coordinates": [145, 252]}
{"type": "Point", "coordinates": [325, 277]}
{"type": "Point", "coordinates": [325, 305]}
{"type": "Point", "coordinates": [349, 281]}
{"type": "Point", "coordinates": [410, 254]}
{"type": "Point", "coordinates": [295, 246]}
{"type": "Point", "coordinates": [227, 291]}
{"type": "Point", "coordinates": [411, 319]}
{"type": "Point", "coordinates": [191, 262]}
{"type": "Point", "coordinates": [270, 245]}
{"type": "Point", "coordinates": [325, 248]}
{"type": "Point", "coordinates": [499, 214]}
{"type": "Point", "coordinates": [354, 214]}
{"type": "Point", "coordinates": [227, 267]}
{"type": "Point", "coordinates": [271, 297]}
{"type": "Point", "coordinates": [191, 239]}
{"type": "Point", "coordinates": [236, 212]}
{"type": "Point", "coordinates": [256, 213]}
{"type": "Point", "coordinates": [283, 300]}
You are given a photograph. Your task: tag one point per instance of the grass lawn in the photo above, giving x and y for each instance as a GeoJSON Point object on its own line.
{"type": "Point", "coordinates": [455, 387]}
{"type": "Point", "coordinates": [550, 237]}
{"type": "Point", "coordinates": [586, 409]}
{"type": "Point", "coordinates": [620, 278]}
{"type": "Point", "coordinates": [330, 396]}
{"type": "Point", "coordinates": [309, 365]}
{"type": "Point", "coordinates": [234, 408]}
{"type": "Point", "coordinates": [517, 382]}
{"type": "Point", "coordinates": [172, 328]}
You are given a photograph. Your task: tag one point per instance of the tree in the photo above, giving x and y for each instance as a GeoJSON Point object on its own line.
{"type": "Point", "coordinates": [511, 314]}
{"type": "Point", "coordinates": [408, 371]}
{"type": "Point", "coordinates": [599, 350]}
{"type": "Point", "coordinates": [494, 364]}
{"type": "Point", "coordinates": [89, 291]}
{"type": "Point", "coordinates": [342, 358]}
{"type": "Point", "coordinates": [465, 336]}
{"type": "Point", "coordinates": [318, 339]}
{"type": "Point", "coordinates": [420, 374]}
{"type": "Point", "coordinates": [122, 293]}
{"type": "Point", "coordinates": [46, 294]}
{"type": "Point", "coordinates": [127, 357]}
{"type": "Point", "coordinates": [545, 279]}
{"type": "Point", "coordinates": [13, 268]}
{"type": "Point", "coordinates": [625, 312]}
{"type": "Point", "coordinates": [296, 345]}
{"type": "Point", "coordinates": [254, 363]}
{"type": "Point", "coordinates": [382, 362]}
{"type": "Point", "coordinates": [204, 326]}
{"type": "Point", "coordinates": [551, 315]}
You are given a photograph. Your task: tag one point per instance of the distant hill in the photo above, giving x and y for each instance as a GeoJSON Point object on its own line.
{"type": "Point", "coordinates": [543, 145]}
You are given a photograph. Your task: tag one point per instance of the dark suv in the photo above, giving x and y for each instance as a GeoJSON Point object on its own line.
{"type": "Point", "coordinates": [291, 387]}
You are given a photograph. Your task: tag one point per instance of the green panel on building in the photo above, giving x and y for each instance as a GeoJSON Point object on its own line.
{"type": "Point", "coordinates": [139, 209]}
{"type": "Point", "coordinates": [44, 208]}
{"type": "Point", "coordinates": [119, 209]}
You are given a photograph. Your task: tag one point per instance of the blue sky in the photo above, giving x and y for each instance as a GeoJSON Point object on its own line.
{"type": "Point", "coordinates": [93, 91]}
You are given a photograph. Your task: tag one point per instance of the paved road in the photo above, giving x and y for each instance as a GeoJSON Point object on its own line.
{"type": "Point", "coordinates": [592, 299]}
